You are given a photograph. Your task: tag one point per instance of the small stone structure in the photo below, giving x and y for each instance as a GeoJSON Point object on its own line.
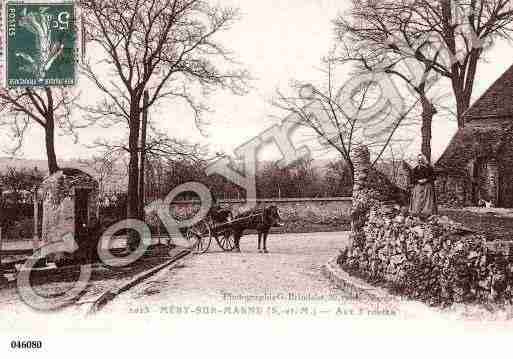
{"type": "Point", "coordinates": [435, 260]}
{"type": "Point", "coordinates": [66, 204]}
{"type": "Point", "coordinates": [370, 189]}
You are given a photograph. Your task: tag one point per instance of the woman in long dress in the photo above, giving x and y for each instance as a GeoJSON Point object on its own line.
{"type": "Point", "coordinates": [423, 199]}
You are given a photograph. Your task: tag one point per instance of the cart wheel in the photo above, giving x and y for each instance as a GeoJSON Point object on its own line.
{"type": "Point", "coordinates": [226, 241]}
{"type": "Point", "coordinates": [200, 237]}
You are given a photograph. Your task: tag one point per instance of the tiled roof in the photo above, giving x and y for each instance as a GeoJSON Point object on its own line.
{"type": "Point", "coordinates": [464, 146]}
{"type": "Point", "coordinates": [486, 123]}
{"type": "Point", "coordinates": [496, 102]}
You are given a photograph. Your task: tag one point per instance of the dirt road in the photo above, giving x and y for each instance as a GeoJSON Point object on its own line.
{"type": "Point", "coordinates": [287, 282]}
{"type": "Point", "coordinates": [292, 266]}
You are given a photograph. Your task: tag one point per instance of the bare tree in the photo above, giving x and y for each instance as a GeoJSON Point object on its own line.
{"type": "Point", "coordinates": [16, 189]}
{"type": "Point", "coordinates": [338, 181]}
{"type": "Point", "coordinates": [363, 46]}
{"type": "Point", "coordinates": [49, 108]}
{"type": "Point", "coordinates": [449, 37]}
{"type": "Point", "coordinates": [17, 181]}
{"type": "Point", "coordinates": [165, 47]}
{"type": "Point", "coordinates": [159, 150]}
{"type": "Point", "coordinates": [344, 117]}
{"type": "Point", "coordinates": [104, 167]}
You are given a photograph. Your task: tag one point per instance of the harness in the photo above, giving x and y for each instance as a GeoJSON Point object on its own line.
{"type": "Point", "coordinates": [253, 215]}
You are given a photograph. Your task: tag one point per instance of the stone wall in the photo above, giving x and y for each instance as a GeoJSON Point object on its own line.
{"type": "Point", "coordinates": [317, 210]}
{"type": "Point", "coordinates": [295, 212]}
{"type": "Point", "coordinates": [506, 178]}
{"type": "Point", "coordinates": [437, 260]}
{"type": "Point", "coordinates": [453, 192]}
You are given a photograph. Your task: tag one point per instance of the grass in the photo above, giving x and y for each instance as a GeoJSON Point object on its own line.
{"type": "Point", "coordinates": [490, 225]}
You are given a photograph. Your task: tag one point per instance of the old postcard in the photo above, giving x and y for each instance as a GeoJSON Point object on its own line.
{"type": "Point", "coordinates": [250, 178]}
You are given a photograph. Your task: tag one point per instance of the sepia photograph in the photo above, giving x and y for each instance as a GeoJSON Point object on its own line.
{"type": "Point", "coordinates": [256, 178]}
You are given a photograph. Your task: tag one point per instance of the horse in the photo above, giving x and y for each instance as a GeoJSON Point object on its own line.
{"type": "Point", "coordinates": [259, 219]}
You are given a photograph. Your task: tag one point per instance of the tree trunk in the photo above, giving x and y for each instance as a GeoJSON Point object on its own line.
{"type": "Point", "coordinates": [462, 106]}
{"type": "Point", "coordinates": [50, 133]}
{"type": "Point", "coordinates": [133, 171]}
{"type": "Point", "coordinates": [143, 156]}
{"type": "Point", "coordinates": [428, 111]}
{"type": "Point", "coordinates": [133, 168]}
{"type": "Point", "coordinates": [459, 77]}
{"type": "Point", "coordinates": [50, 145]}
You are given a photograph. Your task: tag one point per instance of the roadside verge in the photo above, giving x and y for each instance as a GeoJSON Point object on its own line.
{"type": "Point", "coordinates": [357, 288]}
{"type": "Point", "coordinates": [97, 304]}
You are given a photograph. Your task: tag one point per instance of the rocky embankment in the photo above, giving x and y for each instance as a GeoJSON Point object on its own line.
{"type": "Point", "coordinates": [437, 261]}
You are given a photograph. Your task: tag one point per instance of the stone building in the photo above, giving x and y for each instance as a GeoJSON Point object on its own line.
{"type": "Point", "coordinates": [66, 204]}
{"type": "Point", "coordinates": [477, 165]}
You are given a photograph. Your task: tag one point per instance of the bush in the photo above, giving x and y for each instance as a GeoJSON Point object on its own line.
{"type": "Point", "coordinates": [22, 229]}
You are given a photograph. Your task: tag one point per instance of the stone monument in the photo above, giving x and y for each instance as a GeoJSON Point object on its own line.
{"type": "Point", "coordinates": [66, 205]}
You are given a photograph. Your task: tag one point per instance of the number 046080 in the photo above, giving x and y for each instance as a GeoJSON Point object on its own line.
{"type": "Point", "coordinates": [26, 344]}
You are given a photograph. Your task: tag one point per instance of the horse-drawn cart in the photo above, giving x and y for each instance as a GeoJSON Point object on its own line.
{"type": "Point", "coordinates": [200, 235]}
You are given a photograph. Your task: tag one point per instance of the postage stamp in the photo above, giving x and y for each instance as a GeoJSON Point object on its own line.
{"type": "Point", "coordinates": [41, 44]}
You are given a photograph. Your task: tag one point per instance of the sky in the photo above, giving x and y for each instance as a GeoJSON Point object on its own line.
{"type": "Point", "coordinates": [277, 40]}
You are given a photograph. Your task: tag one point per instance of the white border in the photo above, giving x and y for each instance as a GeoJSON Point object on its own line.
{"type": "Point", "coordinates": [3, 44]}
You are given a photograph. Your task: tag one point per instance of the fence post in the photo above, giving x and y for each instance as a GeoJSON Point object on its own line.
{"type": "Point", "coordinates": [2, 278]}
{"type": "Point", "coordinates": [35, 237]}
